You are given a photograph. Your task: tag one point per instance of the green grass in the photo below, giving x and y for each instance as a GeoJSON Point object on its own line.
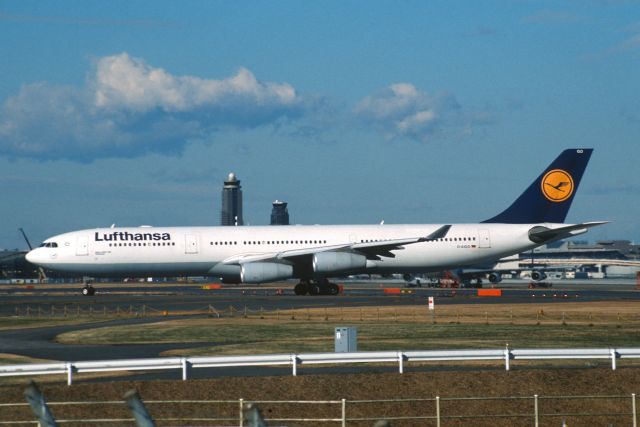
{"type": "Point", "coordinates": [235, 338]}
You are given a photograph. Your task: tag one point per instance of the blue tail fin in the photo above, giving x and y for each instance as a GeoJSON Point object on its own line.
{"type": "Point", "coordinates": [549, 197]}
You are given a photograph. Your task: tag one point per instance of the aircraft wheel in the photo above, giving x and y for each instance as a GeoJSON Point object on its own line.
{"type": "Point", "coordinates": [301, 289]}
{"type": "Point", "coordinates": [333, 289]}
{"type": "Point", "coordinates": [88, 291]}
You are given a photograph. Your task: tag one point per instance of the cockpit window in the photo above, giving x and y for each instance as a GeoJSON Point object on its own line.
{"type": "Point", "coordinates": [49, 245]}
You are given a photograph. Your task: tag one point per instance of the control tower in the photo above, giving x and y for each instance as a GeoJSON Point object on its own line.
{"type": "Point", "coordinates": [231, 201]}
{"type": "Point", "coordinates": [279, 213]}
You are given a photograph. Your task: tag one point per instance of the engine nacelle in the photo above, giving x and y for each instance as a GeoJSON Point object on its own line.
{"type": "Point", "coordinates": [228, 274]}
{"type": "Point", "coordinates": [538, 275]}
{"type": "Point", "coordinates": [495, 277]}
{"type": "Point", "coordinates": [337, 262]}
{"type": "Point", "coordinates": [261, 272]}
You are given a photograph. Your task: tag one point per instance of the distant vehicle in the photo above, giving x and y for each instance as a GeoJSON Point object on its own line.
{"type": "Point", "coordinates": [315, 254]}
{"type": "Point", "coordinates": [533, 285]}
{"type": "Point", "coordinates": [419, 282]}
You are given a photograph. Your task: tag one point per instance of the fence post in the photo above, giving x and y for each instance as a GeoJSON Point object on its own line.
{"type": "Point", "coordinates": [507, 356]}
{"type": "Point", "coordinates": [535, 410]}
{"type": "Point", "coordinates": [344, 412]}
{"type": "Point", "coordinates": [613, 358]}
{"type": "Point", "coordinates": [438, 411]}
{"type": "Point", "coordinates": [294, 364]}
{"type": "Point", "coordinates": [69, 373]}
{"type": "Point", "coordinates": [241, 412]}
{"type": "Point", "coordinates": [634, 415]}
{"type": "Point", "coordinates": [185, 368]}
{"type": "Point", "coordinates": [401, 362]}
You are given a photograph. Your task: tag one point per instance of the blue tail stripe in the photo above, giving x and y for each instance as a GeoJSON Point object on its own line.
{"type": "Point", "coordinates": [549, 201]}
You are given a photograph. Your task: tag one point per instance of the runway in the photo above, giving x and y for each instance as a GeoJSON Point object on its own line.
{"type": "Point", "coordinates": [189, 297]}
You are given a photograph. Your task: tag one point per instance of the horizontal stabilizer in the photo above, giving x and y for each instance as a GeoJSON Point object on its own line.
{"type": "Point", "coordinates": [540, 234]}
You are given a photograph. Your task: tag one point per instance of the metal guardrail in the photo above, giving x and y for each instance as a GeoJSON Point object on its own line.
{"type": "Point", "coordinates": [294, 360]}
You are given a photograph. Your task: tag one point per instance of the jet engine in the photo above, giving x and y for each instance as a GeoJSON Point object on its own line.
{"type": "Point", "coordinates": [335, 262]}
{"type": "Point", "coordinates": [495, 277]}
{"type": "Point", "coordinates": [538, 275]}
{"type": "Point", "coordinates": [261, 272]}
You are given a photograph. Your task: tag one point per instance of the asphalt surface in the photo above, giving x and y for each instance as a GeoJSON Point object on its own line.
{"type": "Point", "coordinates": [189, 297]}
{"type": "Point", "coordinates": [40, 342]}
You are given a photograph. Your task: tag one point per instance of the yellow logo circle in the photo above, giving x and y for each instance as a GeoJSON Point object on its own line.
{"type": "Point", "coordinates": [557, 185]}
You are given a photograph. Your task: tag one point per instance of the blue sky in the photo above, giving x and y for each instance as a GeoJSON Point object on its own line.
{"type": "Point", "coordinates": [442, 111]}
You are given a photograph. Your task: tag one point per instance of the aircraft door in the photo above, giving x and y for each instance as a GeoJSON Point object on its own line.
{"type": "Point", "coordinates": [82, 246]}
{"type": "Point", "coordinates": [190, 244]}
{"type": "Point", "coordinates": [484, 238]}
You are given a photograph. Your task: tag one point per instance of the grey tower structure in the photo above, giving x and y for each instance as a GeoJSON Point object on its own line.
{"type": "Point", "coordinates": [231, 202]}
{"type": "Point", "coordinates": [279, 213]}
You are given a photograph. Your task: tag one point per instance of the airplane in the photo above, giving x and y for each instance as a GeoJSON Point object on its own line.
{"type": "Point", "coordinates": [313, 254]}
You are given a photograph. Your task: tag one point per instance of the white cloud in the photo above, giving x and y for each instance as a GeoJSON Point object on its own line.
{"type": "Point", "coordinates": [128, 83]}
{"type": "Point", "coordinates": [129, 108]}
{"type": "Point", "coordinates": [421, 119]}
{"type": "Point", "coordinates": [403, 111]}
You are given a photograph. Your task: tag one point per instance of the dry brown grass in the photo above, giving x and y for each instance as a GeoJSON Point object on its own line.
{"type": "Point", "coordinates": [602, 312]}
{"type": "Point", "coordinates": [423, 385]}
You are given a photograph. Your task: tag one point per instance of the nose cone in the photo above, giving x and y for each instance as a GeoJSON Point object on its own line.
{"type": "Point", "coordinates": [34, 256]}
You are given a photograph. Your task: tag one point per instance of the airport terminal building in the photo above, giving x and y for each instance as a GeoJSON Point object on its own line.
{"type": "Point", "coordinates": [598, 260]}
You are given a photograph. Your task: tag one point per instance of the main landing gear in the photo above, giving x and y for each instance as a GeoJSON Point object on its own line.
{"type": "Point", "coordinates": [322, 287]}
{"type": "Point", "coordinates": [88, 290]}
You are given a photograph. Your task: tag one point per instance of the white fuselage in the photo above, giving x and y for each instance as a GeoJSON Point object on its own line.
{"type": "Point", "coordinates": [141, 251]}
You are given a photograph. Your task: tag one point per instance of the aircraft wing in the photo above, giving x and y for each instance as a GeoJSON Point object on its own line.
{"type": "Point", "coordinates": [540, 234]}
{"type": "Point", "coordinates": [383, 248]}
{"type": "Point", "coordinates": [372, 250]}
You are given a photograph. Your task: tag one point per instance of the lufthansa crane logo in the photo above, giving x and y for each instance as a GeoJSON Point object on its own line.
{"type": "Point", "coordinates": [557, 185]}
